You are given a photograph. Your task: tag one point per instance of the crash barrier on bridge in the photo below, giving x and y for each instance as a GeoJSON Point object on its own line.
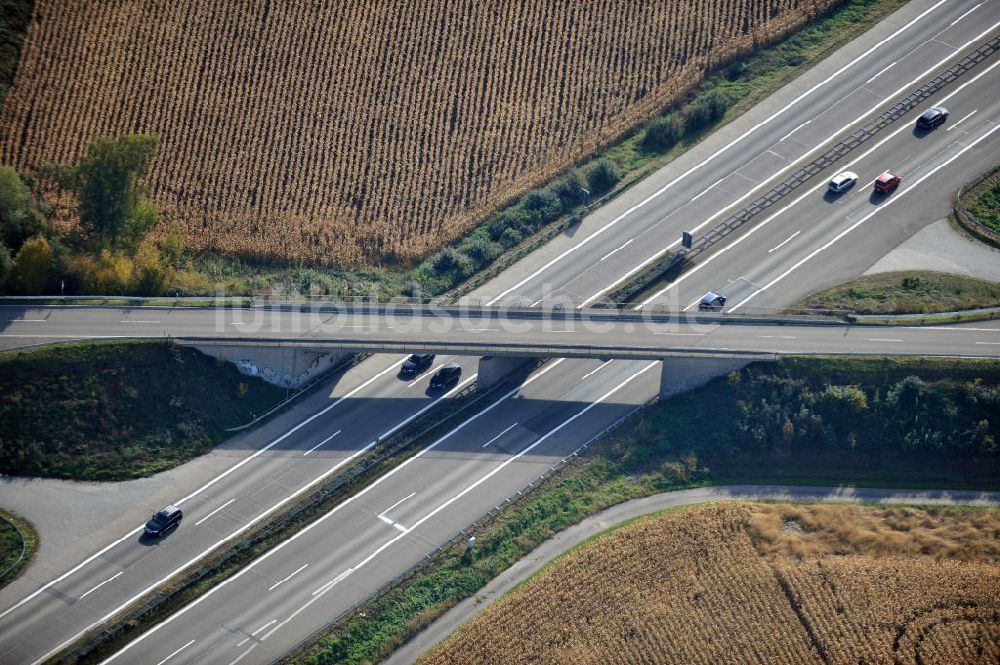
{"type": "Point", "coordinates": [670, 266]}
{"type": "Point", "coordinates": [966, 219]}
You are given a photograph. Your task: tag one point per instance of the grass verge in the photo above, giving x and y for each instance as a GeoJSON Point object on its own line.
{"type": "Point", "coordinates": [912, 292]}
{"type": "Point", "coordinates": [888, 423]}
{"type": "Point", "coordinates": [18, 544]}
{"type": "Point", "coordinates": [118, 410]}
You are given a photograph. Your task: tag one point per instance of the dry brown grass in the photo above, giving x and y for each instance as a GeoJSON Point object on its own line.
{"type": "Point", "coordinates": [762, 584]}
{"type": "Point", "coordinates": [354, 131]}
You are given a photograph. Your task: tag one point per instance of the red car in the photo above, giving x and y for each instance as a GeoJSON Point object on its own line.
{"type": "Point", "coordinates": [887, 182]}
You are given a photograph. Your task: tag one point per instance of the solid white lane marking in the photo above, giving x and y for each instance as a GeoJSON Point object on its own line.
{"type": "Point", "coordinates": [277, 506]}
{"type": "Point", "coordinates": [27, 320]}
{"type": "Point", "coordinates": [682, 334]}
{"type": "Point", "coordinates": [618, 249]}
{"type": "Point", "coordinates": [881, 71]}
{"type": "Point", "coordinates": [378, 481]}
{"type": "Point", "coordinates": [211, 514]}
{"type": "Point", "coordinates": [962, 120]}
{"type": "Point", "coordinates": [706, 190]}
{"type": "Point", "coordinates": [318, 593]}
{"type": "Point", "coordinates": [778, 337]}
{"type": "Point", "coordinates": [793, 131]}
{"type": "Point", "coordinates": [405, 498]}
{"type": "Point", "coordinates": [175, 653]}
{"type": "Point", "coordinates": [965, 14]}
{"type": "Point", "coordinates": [477, 329]}
{"type": "Point", "coordinates": [282, 581]}
{"type": "Point", "coordinates": [321, 442]}
{"type": "Point", "coordinates": [899, 196]}
{"type": "Point", "coordinates": [718, 152]}
{"type": "Point", "coordinates": [808, 193]}
{"type": "Point", "coordinates": [499, 435]}
{"type": "Point", "coordinates": [593, 372]}
{"type": "Point", "coordinates": [784, 242]}
{"type": "Point", "coordinates": [883, 339]}
{"type": "Point", "coordinates": [121, 572]}
{"type": "Point", "coordinates": [254, 633]}
{"type": "Point", "coordinates": [137, 321]}
{"type": "Point", "coordinates": [791, 164]}
{"type": "Point", "coordinates": [990, 343]}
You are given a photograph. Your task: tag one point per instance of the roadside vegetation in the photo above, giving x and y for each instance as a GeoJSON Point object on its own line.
{"type": "Point", "coordinates": [18, 544]}
{"type": "Point", "coordinates": [913, 292]}
{"type": "Point", "coordinates": [757, 583]}
{"type": "Point", "coordinates": [161, 263]}
{"type": "Point", "coordinates": [985, 204]}
{"type": "Point", "coordinates": [923, 423]}
{"type": "Point", "coordinates": [114, 411]}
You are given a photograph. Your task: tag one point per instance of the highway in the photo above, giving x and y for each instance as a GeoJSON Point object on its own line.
{"type": "Point", "coordinates": [520, 436]}
{"type": "Point", "coordinates": [591, 334]}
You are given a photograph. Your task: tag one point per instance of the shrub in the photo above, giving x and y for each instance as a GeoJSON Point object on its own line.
{"type": "Point", "coordinates": [707, 111]}
{"type": "Point", "coordinates": [31, 267]}
{"type": "Point", "coordinates": [602, 177]}
{"type": "Point", "coordinates": [662, 134]}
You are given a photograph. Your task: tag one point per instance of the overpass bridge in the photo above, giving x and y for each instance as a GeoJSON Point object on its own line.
{"type": "Point", "coordinates": [294, 341]}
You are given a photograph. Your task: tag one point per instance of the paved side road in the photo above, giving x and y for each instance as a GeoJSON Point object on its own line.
{"type": "Point", "coordinates": [573, 536]}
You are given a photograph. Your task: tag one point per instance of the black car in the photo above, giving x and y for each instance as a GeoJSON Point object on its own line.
{"type": "Point", "coordinates": [932, 117]}
{"type": "Point", "coordinates": [447, 377]}
{"type": "Point", "coordinates": [163, 521]}
{"type": "Point", "coordinates": [416, 364]}
{"type": "Point", "coordinates": [712, 302]}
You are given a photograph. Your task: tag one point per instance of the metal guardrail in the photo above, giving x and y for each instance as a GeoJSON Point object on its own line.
{"type": "Point", "coordinates": [481, 521]}
{"type": "Point", "coordinates": [841, 149]}
{"type": "Point", "coordinates": [24, 548]}
{"type": "Point", "coordinates": [966, 219]}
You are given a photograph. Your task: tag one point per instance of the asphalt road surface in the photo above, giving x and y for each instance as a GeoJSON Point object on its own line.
{"type": "Point", "coordinates": [355, 549]}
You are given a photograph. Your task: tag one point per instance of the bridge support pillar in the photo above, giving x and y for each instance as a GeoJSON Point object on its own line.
{"type": "Point", "coordinates": [285, 366]}
{"type": "Point", "coordinates": [493, 369]}
{"type": "Point", "coordinates": [679, 374]}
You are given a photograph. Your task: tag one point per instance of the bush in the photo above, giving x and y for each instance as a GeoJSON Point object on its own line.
{"type": "Point", "coordinates": [708, 111]}
{"type": "Point", "coordinates": [569, 189]}
{"type": "Point", "coordinates": [482, 250]}
{"type": "Point", "coordinates": [545, 202]}
{"type": "Point", "coordinates": [31, 267]}
{"type": "Point", "coordinates": [662, 134]}
{"type": "Point", "coordinates": [602, 177]}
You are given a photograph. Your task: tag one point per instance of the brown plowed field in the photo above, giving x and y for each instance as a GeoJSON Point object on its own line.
{"type": "Point", "coordinates": [354, 131]}
{"type": "Point", "coordinates": [748, 583]}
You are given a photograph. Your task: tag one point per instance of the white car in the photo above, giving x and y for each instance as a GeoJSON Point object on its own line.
{"type": "Point", "coordinates": [843, 182]}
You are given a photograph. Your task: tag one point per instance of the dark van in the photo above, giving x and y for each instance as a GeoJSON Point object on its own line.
{"type": "Point", "coordinates": [162, 522]}
{"type": "Point", "coordinates": [447, 377]}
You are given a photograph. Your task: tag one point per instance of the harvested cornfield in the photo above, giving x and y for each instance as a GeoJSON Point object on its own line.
{"type": "Point", "coordinates": [758, 584]}
{"type": "Point", "coordinates": [355, 132]}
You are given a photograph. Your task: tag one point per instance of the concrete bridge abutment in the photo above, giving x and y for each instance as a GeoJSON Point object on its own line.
{"type": "Point", "coordinates": [493, 369]}
{"type": "Point", "coordinates": [285, 366]}
{"type": "Point", "coordinates": [679, 374]}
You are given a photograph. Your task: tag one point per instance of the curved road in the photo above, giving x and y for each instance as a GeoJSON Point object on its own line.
{"type": "Point", "coordinates": [607, 519]}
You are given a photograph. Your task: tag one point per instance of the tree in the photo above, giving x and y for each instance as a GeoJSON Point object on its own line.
{"type": "Point", "coordinates": [148, 273]}
{"type": "Point", "coordinates": [19, 215]}
{"type": "Point", "coordinates": [31, 267]}
{"type": "Point", "coordinates": [107, 182]}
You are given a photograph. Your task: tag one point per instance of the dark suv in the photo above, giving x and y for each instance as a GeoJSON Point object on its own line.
{"type": "Point", "coordinates": [166, 520]}
{"type": "Point", "coordinates": [416, 364]}
{"type": "Point", "coordinates": [447, 377]}
{"type": "Point", "coordinates": [932, 117]}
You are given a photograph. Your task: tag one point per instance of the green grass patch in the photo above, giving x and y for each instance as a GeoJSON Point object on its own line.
{"type": "Point", "coordinates": [880, 422]}
{"type": "Point", "coordinates": [986, 202]}
{"type": "Point", "coordinates": [113, 411]}
{"type": "Point", "coordinates": [913, 292]}
{"type": "Point", "coordinates": [18, 544]}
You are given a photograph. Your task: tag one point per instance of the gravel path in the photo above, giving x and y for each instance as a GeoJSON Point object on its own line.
{"type": "Point", "coordinates": [565, 540]}
{"type": "Point", "coordinates": [939, 246]}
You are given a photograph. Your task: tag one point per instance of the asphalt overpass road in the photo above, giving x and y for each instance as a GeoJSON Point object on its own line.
{"type": "Point", "coordinates": [593, 335]}
{"type": "Point", "coordinates": [918, 37]}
